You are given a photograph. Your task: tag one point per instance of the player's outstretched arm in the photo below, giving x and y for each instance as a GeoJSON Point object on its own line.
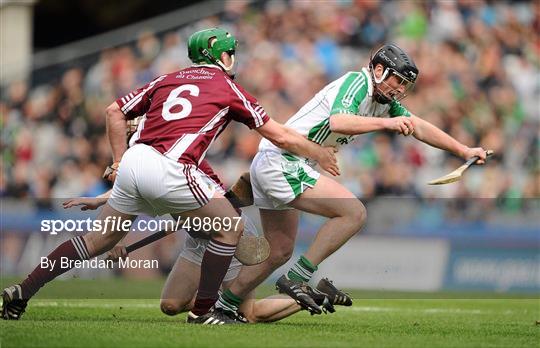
{"type": "Point", "coordinates": [292, 141]}
{"type": "Point", "coordinates": [269, 309]}
{"type": "Point", "coordinates": [353, 125]}
{"type": "Point", "coordinates": [116, 131]}
{"type": "Point", "coordinates": [430, 134]}
{"type": "Point", "coordinates": [87, 203]}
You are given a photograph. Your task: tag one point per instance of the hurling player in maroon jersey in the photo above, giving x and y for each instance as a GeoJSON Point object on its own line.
{"type": "Point", "coordinates": [184, 112]}
{"type": "Point", "coordinates": [180, 289]}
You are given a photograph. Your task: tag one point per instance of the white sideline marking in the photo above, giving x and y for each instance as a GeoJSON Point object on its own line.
{"type": "Point", "coordinates": [425, 310]}
{"type": "Point", "coordinates": [94, 305]}
{"type": "Point", "coordinates": [354, 309]}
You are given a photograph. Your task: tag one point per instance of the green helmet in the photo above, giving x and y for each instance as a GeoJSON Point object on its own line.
{"type": "Point", "coordinates": [200, 51]}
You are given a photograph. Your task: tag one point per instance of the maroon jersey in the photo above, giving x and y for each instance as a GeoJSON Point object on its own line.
{"type": "Point", "coordinates": [186, 110]}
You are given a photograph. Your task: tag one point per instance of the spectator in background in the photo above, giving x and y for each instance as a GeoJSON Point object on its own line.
{"type": "Point", "coordinates": [480, 82]}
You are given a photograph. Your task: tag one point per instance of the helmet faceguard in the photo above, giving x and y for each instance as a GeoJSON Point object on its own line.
{"type": "Point", "coordinates": [206, 46]}
{"type": "Point", "coordinates": [396, 63]}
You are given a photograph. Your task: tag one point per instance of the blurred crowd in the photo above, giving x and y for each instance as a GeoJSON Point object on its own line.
{"type": "Point", "coordinates": [479, 80]}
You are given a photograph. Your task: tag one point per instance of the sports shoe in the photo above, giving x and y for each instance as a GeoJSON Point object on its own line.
{"type": "Point", "coordinates": [336, 296]}
{"type": "Point", "coordinates": [322, 300]}
{"type": "Point", "coordinates": [298, 291]}
{"type": "Point", "coordinates": [13, 305]}
{"type": "Point", "coordinates": [216, 316]}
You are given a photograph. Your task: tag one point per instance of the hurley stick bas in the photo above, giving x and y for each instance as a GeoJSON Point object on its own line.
{"type": "Point", "coordinates": [458, 173]}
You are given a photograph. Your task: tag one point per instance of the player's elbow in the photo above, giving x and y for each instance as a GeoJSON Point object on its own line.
{"type": "Point", "coordinates": [278, 134]}
{"type": "Point", "coordinates": [281, 141]}
{"type": "Point", "coordinates": [334, 124]}
{"type": "Point", "coordinates": [337, 125]}
{"type": "Point", "coordinates": [283, 138]}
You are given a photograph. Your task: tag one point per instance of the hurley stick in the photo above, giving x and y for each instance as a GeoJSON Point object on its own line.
{"type": "Point", "coordinates": [458, 173]}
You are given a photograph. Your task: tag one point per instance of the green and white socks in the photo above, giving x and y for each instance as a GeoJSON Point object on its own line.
{"type": "Point", "coordinates": [302, 270]}
{"type": "Point", "coordinates": [228, 301]}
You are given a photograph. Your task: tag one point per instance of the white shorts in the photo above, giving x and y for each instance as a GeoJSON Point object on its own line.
{"type": "Point", "coordinates": [193, 251]}
{"type": "Point", "coordinates": [277, 179]}
{"type": "Point", "coordinates": [149, 183]}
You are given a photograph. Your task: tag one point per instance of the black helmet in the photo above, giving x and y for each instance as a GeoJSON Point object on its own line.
{"type": "Point", "coordinates": [394, 61]}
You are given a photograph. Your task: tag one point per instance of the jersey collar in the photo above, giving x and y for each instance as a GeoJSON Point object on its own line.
{"type": "Point", "coordinates": [206, 66]}
{"type": "Point", "coordinates": [370, 84]}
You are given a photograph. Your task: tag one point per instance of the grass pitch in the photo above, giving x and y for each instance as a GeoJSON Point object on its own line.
{"type": "Point", "coordinates": [67, 321]}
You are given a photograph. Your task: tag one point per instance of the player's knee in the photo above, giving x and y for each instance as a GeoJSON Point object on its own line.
{"type": "Point", "coordinates": [360, 215]}
{"type": "Point", "coordinates": [172, 307]}
{"type": "Point", "coordinates": [280, 256]}
{"type": "Point", "coordinates": [357, 215]}
{"type": "Point", "coordinates": [168, 307]}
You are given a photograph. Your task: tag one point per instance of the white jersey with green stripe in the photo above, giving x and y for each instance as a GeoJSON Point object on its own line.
{"type": "Point", "coordinates": [350, 94]}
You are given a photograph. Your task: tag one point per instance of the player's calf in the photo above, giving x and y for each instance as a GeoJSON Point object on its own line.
{"type": "Point", "coordinates": [346, 216]}
{"type": "Point", "coordinates": [74, 249]}
{"type": "Point", "coordinates": [80, 248]}
{"type": "Point", "coordinates": [218, 254]}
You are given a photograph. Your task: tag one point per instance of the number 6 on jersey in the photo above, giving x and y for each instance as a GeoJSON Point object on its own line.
{"type": "Point", "coordinates": [174, 99]}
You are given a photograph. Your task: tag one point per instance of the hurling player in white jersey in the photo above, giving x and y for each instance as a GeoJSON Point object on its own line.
{"type": "Point", "coordinates": [284, 184]}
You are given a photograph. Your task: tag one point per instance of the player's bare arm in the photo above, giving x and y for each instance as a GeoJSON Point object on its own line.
{"type": "Point", "coordinates": [430, 134]}
{"type": "Point", "coordinates": [422, 130]}
{"type": "Point", "coordinates": [116, 131]}
{"type": "Point", "coordinates": [288, 139]}
{"type": "Point", "coordinates": [87, 203]}
{"type": "Point", "coordinates": [350, 125]}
